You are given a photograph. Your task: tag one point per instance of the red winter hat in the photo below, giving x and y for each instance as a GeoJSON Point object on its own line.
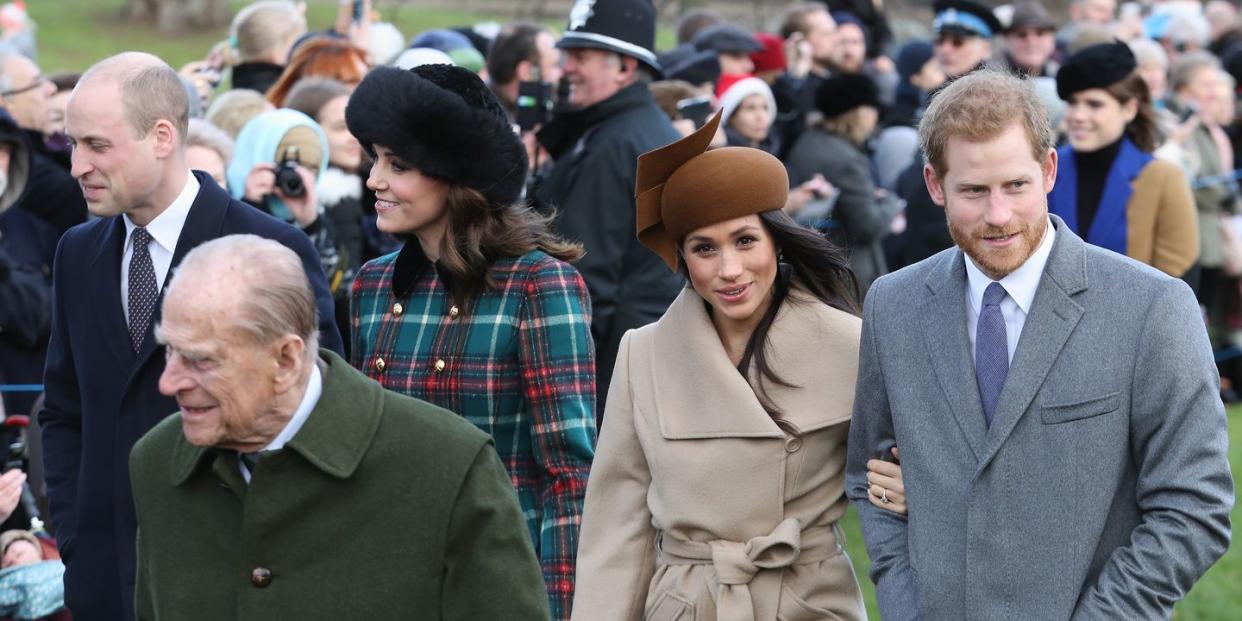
{"type": "Point", "coordinates": [727, 80]}
{"type": "Point", "coordinates": [772, 56]}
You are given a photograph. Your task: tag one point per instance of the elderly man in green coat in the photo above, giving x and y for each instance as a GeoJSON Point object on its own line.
{"type": "Point", "coordinates": [289, 486]}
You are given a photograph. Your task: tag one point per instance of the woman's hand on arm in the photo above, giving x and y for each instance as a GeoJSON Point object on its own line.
{"type": "Point", "coordinates": [888, 490]}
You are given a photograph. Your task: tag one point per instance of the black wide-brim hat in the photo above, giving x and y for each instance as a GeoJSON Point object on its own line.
{"type": "Point", "coordinates": [965, 17]}
{"type": "Point", "coordinates": [622, 26]}
{"type": "Point", "coordinates": [1097, 66]}
{"type": "Point", "coordinates": [445, 122]}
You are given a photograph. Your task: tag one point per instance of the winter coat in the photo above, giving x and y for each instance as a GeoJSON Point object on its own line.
{"type": "Point", "coordinates": [1146, 210]}
{"type": "Point", "coordinates": [381, 507]}
{"type": "Point", "coordinates": [700, 505]}
{"type": "Point", "coordinates": [516, 362]}
{"type": "Point", "coordinates": [591, 186]}
{"type": "Point", "coordinates": [863, 219]}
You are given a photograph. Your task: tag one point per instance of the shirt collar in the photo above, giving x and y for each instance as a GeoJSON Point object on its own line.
{"type": "Point", "coordinates": [314, 389]}
{"type": "Point", "coordinates": [1021, 283]}
{"type": "Point", "coordinates": [165, 228]}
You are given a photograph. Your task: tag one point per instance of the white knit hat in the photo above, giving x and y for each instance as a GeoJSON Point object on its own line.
{"type": "Point", "coordinates": [739, 91]}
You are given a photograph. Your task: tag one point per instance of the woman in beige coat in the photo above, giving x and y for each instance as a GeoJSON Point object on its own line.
{"type": "Point", "coordinates": [715, 493]}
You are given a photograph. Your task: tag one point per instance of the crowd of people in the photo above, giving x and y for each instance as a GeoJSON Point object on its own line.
{"type": "Point", "coordinates": [496, 322]}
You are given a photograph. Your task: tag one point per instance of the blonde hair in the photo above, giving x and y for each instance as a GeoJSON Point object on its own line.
{"type": "Point", "coordinates": [849, 125]}
{"type": "Point", "coordinates": [979, 107]}
{"type": "Point", "coordinates": [233, 109]}
{"type": "Point", "coordinates": [265, 26]}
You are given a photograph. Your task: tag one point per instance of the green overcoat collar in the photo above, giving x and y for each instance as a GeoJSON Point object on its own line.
{"type": "Point", "coordinates": [334, 438]}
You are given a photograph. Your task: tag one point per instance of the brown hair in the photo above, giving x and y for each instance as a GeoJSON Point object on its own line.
{"type": "Point", "coordinates": [1144, 130]}
{"type": "Point", "coordinates": [480, 231]}
{"type": "Point", "coordinates": [796, 15]}
{"type": "Point", "coordinates": [980, 106]}
{"type": "Point", "coordinates": [324, 57]}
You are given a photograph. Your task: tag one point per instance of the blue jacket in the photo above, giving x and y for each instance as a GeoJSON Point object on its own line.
{"type": "Point", "coordinates": [101, 396]}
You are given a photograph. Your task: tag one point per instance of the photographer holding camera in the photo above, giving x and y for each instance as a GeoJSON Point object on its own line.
{"type": "Point", "coordinates": [277, 159]}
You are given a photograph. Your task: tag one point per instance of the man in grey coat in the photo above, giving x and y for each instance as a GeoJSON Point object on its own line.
{"type": "Point", "coordinates": [1056, 406]}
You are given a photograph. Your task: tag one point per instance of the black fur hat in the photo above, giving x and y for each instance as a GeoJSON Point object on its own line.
{"type": "Point", "coordinates": [845, 91]}
{"type": "Point", "coordinates": [445, 122]}
{"type": "Point", "coordinates": [1098, 66]}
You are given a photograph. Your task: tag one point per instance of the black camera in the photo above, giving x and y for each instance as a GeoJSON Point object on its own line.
{"type": "Point", "coordinates": [288, 181]}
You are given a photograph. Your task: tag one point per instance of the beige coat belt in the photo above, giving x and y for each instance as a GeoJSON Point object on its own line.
{"type": "Point", "coordinates": [737, 563]}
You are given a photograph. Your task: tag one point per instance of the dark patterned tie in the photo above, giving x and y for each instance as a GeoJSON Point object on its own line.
{"type": "Point", "coordinates": [991, 350]}
{"type": "Point", "coordinates": [142, 289]}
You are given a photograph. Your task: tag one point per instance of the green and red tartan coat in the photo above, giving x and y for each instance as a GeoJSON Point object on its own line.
{"type": "Point", "coordinates": [519, 364]}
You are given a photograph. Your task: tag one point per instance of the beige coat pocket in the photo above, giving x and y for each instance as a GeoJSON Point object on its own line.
{"type": "Point", "coordinates": [671, 607]}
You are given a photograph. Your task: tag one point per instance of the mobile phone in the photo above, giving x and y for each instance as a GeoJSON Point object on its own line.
{"type": "Point", "coordinates": [534, 104]}
{"type": "Point", "coordinates": [696, 109]}
{"type": "Point", "coordinates": [358, 11]}
{"type": "Point", "coordinates": [1190, 111]}
{"type": "Point", "coordinates": [886, 453]}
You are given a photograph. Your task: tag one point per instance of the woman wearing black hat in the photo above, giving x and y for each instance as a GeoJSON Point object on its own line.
{"type": "Point", "coordinates": [861, 216]}
{"type": "Point", "coordinates": [1110, 189]}
{"type": "Point", "coordinates": [478, 313]}
{"type": "Point", "coordinates": [717, 485]}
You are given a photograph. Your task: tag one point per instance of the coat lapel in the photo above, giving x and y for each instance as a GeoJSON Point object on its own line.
{"type": "Point", "coordinates": [948, 345]}
{"type": "Point", "coordinates": [1052, 319]}
{"type": "Point", "coordinates": [700, 393]}
{"type": "Point", "coordinates": [1110, 229]}
{"type": "Point", "coordinates": [105, 277]}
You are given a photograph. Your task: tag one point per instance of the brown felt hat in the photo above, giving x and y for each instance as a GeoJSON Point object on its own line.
{"type": "Point", "coordinates": [683, 186]}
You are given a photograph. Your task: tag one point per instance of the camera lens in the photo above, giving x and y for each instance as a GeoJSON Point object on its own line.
{"type": "Point", "coordinates": [288, 181]}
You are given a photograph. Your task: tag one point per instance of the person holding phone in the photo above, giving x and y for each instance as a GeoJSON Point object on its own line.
{"type": "Point", "coordinates": [835, 148]}
{"type": "Point", "coordinates": [1110, 189]}
{"type": "Point", "coordinates": [717, 484]}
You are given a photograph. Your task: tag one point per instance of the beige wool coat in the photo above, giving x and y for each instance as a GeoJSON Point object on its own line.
{"type": "Point", "coordinates": [699, 506]}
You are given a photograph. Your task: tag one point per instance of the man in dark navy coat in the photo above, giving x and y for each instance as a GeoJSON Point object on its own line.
{"type": "Point", "coordinates": [127, 119]}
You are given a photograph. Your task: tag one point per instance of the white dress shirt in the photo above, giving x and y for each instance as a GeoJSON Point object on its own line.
{"type": "Point", "coordinates": [165, 230]}
{"type": "Point", "coordinates": [1020, 285]}
{"type": "Point", "coordinates": [314, 390]}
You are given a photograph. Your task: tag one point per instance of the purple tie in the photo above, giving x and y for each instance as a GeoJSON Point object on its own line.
{"type": "Point", "coordinates": [142, 289]}
{"type": "Point", "coordinates": [991, 350]}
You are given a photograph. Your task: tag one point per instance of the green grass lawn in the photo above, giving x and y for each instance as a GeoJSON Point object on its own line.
{"type": "Point", "coordinates": [73, 34]}
{"type": "Point", "coordinates": [1217, 597]}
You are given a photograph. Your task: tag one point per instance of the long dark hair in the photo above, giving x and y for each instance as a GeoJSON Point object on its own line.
{"type": "Point", "coordinates": [480, 232]}
{"type": "Point", "coordinates": [816, 265]}
{"type": "Point", "coordinates": [1144, 130]}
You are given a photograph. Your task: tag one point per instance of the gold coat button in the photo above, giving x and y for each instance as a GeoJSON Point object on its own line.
{"type": "Point", "coordinates": [379, 365]}
{"type": "Point", "coordinates": [439, 367]}
{"type": "Point", "coordinates": [453, 313]}
{"type": "Point", "coordinates": [397, 309]}
{"type": "Point", "coordinates": [260, 577]}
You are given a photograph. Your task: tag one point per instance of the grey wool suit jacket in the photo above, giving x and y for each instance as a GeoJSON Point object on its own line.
{"type": "Point", "coordinates": [1101, 490]}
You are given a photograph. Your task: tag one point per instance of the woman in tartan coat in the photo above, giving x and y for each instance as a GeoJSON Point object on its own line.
{"type": "Point", "coordinates": [479, 313]}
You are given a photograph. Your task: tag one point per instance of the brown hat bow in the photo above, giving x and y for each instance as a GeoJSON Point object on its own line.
{"type": "Point", "coordinates": [683, 186]}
